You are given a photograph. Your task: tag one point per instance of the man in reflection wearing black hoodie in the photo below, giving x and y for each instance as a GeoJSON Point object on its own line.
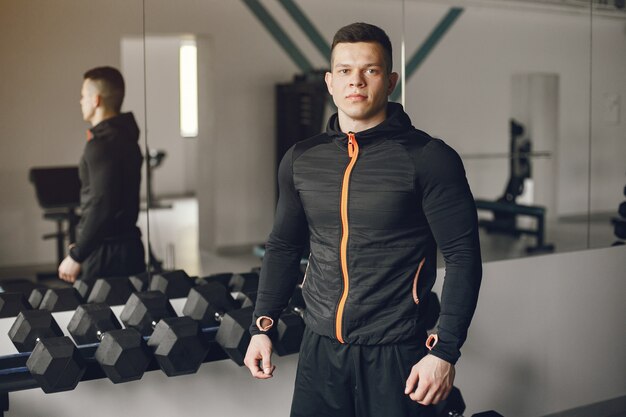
{"type": "Point", "coordinates": [109, 242]}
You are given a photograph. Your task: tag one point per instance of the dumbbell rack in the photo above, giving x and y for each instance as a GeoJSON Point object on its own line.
{"type": "Point", "coordinates": [15, 376]}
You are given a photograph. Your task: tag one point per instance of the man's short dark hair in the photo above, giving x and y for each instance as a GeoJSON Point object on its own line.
{"type": "Point", "coordinates": [110, 84]}
{"type": "Point", "coordinates": [364, 32]}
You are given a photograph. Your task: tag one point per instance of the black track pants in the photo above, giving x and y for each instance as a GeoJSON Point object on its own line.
{"type": "Point", "coordinates": [344, 380]}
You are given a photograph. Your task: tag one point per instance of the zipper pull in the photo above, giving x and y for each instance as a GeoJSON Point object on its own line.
{"type": "Point", "coordinates": [351, 144]}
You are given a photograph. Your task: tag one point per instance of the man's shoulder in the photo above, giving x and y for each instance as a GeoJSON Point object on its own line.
{"type": "Point", "coordinates": [305, 145]}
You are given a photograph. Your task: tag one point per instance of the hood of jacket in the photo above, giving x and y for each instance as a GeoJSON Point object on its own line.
{"type": "Point", "coordinates": [123, 124]}
{"type": "Point", "coordinates": [397, 122]}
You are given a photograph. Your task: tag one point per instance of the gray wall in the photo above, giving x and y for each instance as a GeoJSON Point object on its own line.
{"type": "Point", "coordinates": [548, 335]}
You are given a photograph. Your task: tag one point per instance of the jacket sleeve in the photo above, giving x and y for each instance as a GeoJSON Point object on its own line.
{"type": "Point", "coordinates": [281, 264]}
{"type": "Point", "coordinates": [101, 168]}
{"type": "Point", "coordinates": [451, 214]}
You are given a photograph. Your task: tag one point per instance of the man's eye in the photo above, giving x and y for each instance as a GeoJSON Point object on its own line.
{"type": "Point", "coordinates": [343, 71]}
{"type": "Point", "coordinates": [372, 71]}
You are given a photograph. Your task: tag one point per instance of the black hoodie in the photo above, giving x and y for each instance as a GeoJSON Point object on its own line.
{"type": "Point", "coordinates": [376, 205]}
{"type": "Point", "coordinates": [110, 176]}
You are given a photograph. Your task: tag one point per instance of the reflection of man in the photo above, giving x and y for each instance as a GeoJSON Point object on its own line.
{"type": "Point", "coordinates": [377, 197]}
{"type": "Point", "coordinates": [109, 242]}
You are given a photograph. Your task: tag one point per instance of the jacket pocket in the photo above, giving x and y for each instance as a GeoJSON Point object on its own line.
{"type": "Point", "coordinates": [416, 279]}
{"type": "Point", "coordinates": [306, 271]}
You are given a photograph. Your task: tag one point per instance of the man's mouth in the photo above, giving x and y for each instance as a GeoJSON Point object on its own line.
{"type": "Point", "coordinates": [356, 97]}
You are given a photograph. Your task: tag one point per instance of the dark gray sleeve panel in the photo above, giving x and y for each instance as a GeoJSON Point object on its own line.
{"type": "Point", "coordinates": [451, 213]}
{"type": "Point", "coordinates": [281, 264]}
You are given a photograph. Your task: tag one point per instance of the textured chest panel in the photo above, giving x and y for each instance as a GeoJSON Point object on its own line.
{"type": "Point", "coordinates": [381, 193]}
{"type": "Point", "coordinates": [317, 178]}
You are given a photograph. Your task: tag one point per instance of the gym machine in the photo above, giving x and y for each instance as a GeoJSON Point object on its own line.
{"type": "Point", "coordinates": [505, 209]}
{"type": "Point", "coordinates": [619, 223]}
{"type": "Point", "coordinates": [58, 193]}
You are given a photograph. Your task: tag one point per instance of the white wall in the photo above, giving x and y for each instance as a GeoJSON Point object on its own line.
{"type": "Point", "coordinates": [548, 335]}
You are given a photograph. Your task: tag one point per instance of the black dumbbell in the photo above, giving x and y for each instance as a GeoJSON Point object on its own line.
{"type": "Point", "coordinates": [453, 406]}
{"type": "Point", "coordinates": [121, 353]}
{"type": "Point", "coordinates": [111, 290]}
{"type": "Point", "coordinates": [622, 209]}
{"type": "Point", "coordinates": [207, 305]}
{"type": "Point", "coordinates": [11, 303]}
{"type": "Point", "coordinates": [174, 284]}
{"type": "Point", "coordinates": [244, 282]}
{"type": "Point", "coordinates": [290, 326]}
{"type": "Point", "coordinates": [177, 284]}
{"type": "Point", "coordinates": [54, 362]}
{"type": "Point", "coordinates": [178, 347]}
{"type": "Point", "coordinates": [211, 304]}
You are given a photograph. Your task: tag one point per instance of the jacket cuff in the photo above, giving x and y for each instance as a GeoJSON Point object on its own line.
{"type": "Point", "coordinates": [262, 324]}
{"type": "Point", "coordinates": [446, 351]}
{"type": "Point", "coordinates": [75, 254]}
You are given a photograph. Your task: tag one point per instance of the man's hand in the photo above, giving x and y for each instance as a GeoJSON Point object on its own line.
{"type": "Point", "coordinates": [69, 269]}
{"type": "Point", "coordinates": [260, 350]}
{"type": "Point", "coordinates": [430, 380]}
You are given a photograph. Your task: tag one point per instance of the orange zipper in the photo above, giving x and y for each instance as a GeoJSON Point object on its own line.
{"type": "Point", "coordinates": [353, 153]}
{"type": "Point", "coordinates": [417, 275]}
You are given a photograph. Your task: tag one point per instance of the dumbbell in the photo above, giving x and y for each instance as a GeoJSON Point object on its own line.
{"type": "Point", "coordinates": [121, 353]}
{"type": "Point", "coordinates": [211, 304]}
{"type": "Point", "coordinates": [290, 327]}
{"type": "Point", "coordinates": [454, 406]}
{"type": "Point", "coordinates": [111, 290]}
{"type": "Point", "coordinates": [11, 303]}
{"type": "Point", "coordinates": [207, 305]}
{"type": "Point", "coordinates": [54, 362]}
{"type": "Point", "coordinates": [174, 284]}
{"type": "Point", "coordinates": [177, 284]}
{"type": "Point", "coordinates": [178, 347]}
{"type": "Point", "coordinates": [244, 282]}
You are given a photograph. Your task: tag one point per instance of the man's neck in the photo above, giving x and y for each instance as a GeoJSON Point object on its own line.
{"type": "Point", "coordinates": [347, 124]}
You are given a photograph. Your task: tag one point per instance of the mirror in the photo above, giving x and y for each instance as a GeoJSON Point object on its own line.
{"type": "Point", "coordinates": [492, 62]}
{"type": "Point", "coordinates": [506, 84]}
{"type": "Point", "coordinates": [46, 51]}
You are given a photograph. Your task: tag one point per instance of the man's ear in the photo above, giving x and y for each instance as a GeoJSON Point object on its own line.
{"type": "Point", "coordinates": [97, 100]}
{"type": "Point", "coordinates": [393, 81]}
{"type": "Point", "coordinates": [328, 77]}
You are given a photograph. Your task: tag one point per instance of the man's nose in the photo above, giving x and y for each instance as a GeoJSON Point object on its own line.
{"type": "Point", "coordinates": [357, 80]}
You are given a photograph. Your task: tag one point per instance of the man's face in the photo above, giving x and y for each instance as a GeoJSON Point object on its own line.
{"type": "Point", "coordinates": [88, 100]}
{"type": "Point", "coordinates": [359, 82]}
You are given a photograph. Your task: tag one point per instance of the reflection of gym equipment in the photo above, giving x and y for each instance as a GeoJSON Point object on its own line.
{"type": "Point", "coordinates": [619, 223]}
{"type": "Point", "coordinates": [58, 193]}
{"type": "Point", "coordinates": [299, 110]}
{"type": "Point", "coordinates": [155, 159]}
{"type": "Point", "coordinates": [505, 209]}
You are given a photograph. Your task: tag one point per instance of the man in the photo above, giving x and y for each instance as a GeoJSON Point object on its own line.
{"type": "Point", "coordinates": [109, 242]}
{"type": "Point", "coordinates": [378, 197]}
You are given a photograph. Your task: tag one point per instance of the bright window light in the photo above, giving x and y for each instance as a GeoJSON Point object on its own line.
{"type": "Point", "coordinates": [188, 89]}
